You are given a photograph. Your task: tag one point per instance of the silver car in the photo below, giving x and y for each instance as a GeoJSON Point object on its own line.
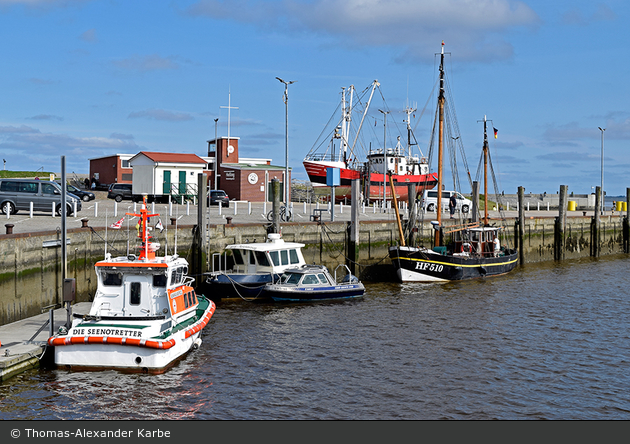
{"type": "Point", "coordinates": [17, 194]}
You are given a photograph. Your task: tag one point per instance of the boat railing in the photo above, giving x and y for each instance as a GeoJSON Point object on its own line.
{"type": "Point", "coordinates": [221, 264]}
{"type": "Point", "coordinates": [328, 157]}
{"type": "Point", "coordinates": [347, 271]}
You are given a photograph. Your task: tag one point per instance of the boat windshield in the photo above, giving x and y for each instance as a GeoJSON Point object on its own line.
{"type": "Point", "coordinates": [290, 278]}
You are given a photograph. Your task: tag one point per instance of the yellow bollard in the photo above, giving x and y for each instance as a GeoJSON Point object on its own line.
{"type": "Point", "coordinates": [572, 205]}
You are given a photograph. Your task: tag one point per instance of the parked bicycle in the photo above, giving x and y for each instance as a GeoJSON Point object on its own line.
{"type": "Point", "coordinates": [285, 214]}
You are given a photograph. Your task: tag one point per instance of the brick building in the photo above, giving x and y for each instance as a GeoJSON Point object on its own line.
{"type": "Point", "coordinates": [241, 178]}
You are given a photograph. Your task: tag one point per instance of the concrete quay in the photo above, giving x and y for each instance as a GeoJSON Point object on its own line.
{"type": "Point", "coordinates": [104, 212]}
{"type": "Point", "coordinates": [24, 343]}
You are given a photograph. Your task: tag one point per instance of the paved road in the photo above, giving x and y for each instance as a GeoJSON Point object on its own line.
{"type": "Point", "coordinates": [103, 211]}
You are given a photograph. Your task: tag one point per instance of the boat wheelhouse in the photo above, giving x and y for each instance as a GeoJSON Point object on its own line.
{"type": "Point", "coordinates": [244, 269]}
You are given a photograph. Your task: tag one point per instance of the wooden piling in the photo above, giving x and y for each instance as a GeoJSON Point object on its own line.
{"type": "Point", "coordinates": [560, 225]}
{"type": "Point", "coordinates": [521, 225]}
{"type": "Point", "coordinates": [353, 241]}
{"type": "Point", "coordinates": [595, 225]}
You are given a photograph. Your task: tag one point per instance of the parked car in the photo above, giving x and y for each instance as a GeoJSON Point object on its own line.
{"type": "Point", "coordinates": [120, 191]}
{"type": "Point", "coordinates": [17, 194]}
{"type": "Point", "coordinates": [85, 196]}
{"type": "Point", "coordinates": [218, 197]}
{"type": "Point", "coordinates": [429, 200]}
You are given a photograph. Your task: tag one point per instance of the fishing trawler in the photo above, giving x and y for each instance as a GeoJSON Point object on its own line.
{"type": "Point", "coordinates": [343, 151]}
{"type": "Point", "coordinates": [144, 317]}
{"type": "Point", "coordinates": [473, 250]}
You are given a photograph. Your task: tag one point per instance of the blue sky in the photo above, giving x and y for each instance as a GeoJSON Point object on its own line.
{"type": "Point", "coordinates": [87, 78]}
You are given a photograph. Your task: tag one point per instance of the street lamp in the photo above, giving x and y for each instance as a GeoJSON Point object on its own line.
{"type": "Point", "coordinates": [601, 203]}
{"type": "Point", "coordinates": [285, 98]}
{"type": "Point", "coordinates": [216, 154]}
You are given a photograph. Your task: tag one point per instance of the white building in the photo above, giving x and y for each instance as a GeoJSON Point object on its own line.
{"type": "Point", "coordinates": [164, 174]}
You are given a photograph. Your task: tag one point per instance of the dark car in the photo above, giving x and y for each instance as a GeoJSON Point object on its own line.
{"type": "Point", "coordinates": [218, 197]}
{"type": "Point", "coordinates": [120, 191]}
{"type": "Point", "coordinates": [85, 196]}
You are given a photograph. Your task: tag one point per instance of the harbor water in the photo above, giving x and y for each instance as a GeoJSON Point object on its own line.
{"type": "Point", "coordinates": [548, 341]}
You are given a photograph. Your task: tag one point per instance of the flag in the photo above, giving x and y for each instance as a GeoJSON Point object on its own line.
{"type": "Point", "coordinates": [495, 132]}
{"type": "Point", "coordinates": [117, 225]}
{"type": "Point", "coordinates": [159, 225]}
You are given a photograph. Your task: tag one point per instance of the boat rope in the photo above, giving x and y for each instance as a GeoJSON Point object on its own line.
{"type": "Point", "coordinates": [331, 244]}
{"type": "Point", "coordinates": [237, 284]}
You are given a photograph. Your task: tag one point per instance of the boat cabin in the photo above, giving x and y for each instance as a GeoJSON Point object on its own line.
{"type": "Point", "coordinates": [129, 287]}
{"type": "Point", "coordinates": [273, 256]}
{"type": "Point", "coordinates": [478, 240]}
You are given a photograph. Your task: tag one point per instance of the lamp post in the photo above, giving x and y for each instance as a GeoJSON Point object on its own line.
{"type": "Point", "coordinates": [285, 98]}
{"type": "Point", "coordinates": [216, 154]}
{"type": "Point", "coordinates": [601, 203]}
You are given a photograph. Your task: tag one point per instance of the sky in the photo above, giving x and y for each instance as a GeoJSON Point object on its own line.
{"type": "Point", "coordinates": [90, 78]}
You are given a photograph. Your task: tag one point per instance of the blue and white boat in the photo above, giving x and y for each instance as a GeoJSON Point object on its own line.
{"type": "Point", "coordinates": [244, 269]}
{"type": "Point", "coordinates": [313, 283]}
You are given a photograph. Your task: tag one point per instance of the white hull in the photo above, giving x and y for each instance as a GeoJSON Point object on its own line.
{"type": "Point", "coordinates": [123, 357]}
{"type": "Point", "coordinates": [411, 276]}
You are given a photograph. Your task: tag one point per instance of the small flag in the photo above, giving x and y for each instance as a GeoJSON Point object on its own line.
{"type": "Point", "coordinates": [159, 225]}
{"type": "Point", "coordinates": [495, 132]}
{"type": "Point", "coordinates": [117, 225]}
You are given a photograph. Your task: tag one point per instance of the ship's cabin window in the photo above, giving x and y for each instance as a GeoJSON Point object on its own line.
{"type": "Point", "coordinates": [284, 255]}
{"type": "Point", "coordinates": [159, 280]}
{"type": "Point", "coordinates": [134, 294]}
{"type": "Point", "coordinates": [261, 257]}
{"type": "Point", "coordinates": [112, 279]}
{"type": "Point", "coordinates": [322, 278]}
{"type": "Point", "coordinates": [252, 260]}
{"type": "Point", "coordinates": [293, 257]}
{"type": "Point", "coordinates": [310, 279]}
{"type": "Point", "coordinates": [177, 276]}
{"type": "Point", "coordinates": [275, 257]}
{"type": "Point", "coordinates": [238, 257]}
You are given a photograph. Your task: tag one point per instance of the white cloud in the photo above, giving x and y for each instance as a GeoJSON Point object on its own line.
{"type": "Point", "coordinates": [476, 29]}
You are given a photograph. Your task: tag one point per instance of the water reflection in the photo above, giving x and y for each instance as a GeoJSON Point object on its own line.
{"type": "Point", "coordinates": [548, 341]}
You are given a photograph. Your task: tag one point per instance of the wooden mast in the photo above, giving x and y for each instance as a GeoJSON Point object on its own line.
{"type": "Point", "coordinates": [441, 100]}
{"type": "Point", "coordinates": [485, 172]}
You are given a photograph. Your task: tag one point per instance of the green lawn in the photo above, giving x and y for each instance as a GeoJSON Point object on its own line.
{"type": "Point", "coordinates": [25, 174]}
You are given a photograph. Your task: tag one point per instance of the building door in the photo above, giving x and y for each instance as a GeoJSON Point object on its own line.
{"type": "Point", "coordinates": [167, 183]}
{"type": "Point", "coordinates": [182, 182]}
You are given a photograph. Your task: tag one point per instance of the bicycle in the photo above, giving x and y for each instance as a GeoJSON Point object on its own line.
{"type": "Point", "coordinates": [285, 214]}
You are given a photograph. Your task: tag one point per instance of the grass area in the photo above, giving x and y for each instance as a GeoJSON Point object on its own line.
{"type": "Point", "coordinates": [24, 174]}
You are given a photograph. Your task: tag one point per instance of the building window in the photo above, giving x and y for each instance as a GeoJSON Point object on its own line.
{"type": "Point", "coordinates": [124, 163]}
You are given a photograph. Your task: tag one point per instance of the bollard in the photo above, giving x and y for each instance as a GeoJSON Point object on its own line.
{"type": "Point", "coordinates": [115, 208]}
{"type": "Point", "coordinates": [249, 208]}
{"type": "Point", "coordinates": [9, 228]}
{"type": "Point", "coordinates": [84, 223]}
{"type": "Point", "coordinates": [75, 209]}
{"type": "Point", "coordinates": [30, 211]}
{"type": "Point", "coordinates": [96, 209]}
{"type": "Point", "coordinates": [235, 208]}
{"type": "Point", "coordinates": [187, 208]}
{"type": "Point", "coordinates": [173, 219]}
{"type": "Point", "coordinates": [53, 209]}
{"type": "Point", "coordinates": [228, 220]}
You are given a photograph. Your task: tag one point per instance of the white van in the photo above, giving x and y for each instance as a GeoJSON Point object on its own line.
{"type": "Point", "coordinates": [429, 201]}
